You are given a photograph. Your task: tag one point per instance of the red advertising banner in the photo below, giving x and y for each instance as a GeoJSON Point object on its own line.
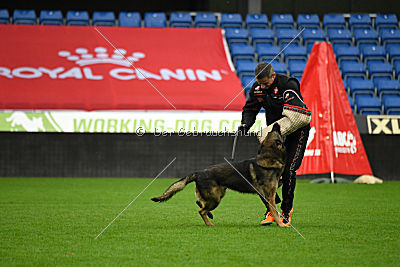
{"type": "Point", "coordinates": [334, 144]}
{"type": "Point", "coordinates": [66, 67]}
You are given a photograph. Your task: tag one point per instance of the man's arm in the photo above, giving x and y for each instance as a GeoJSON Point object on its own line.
{"type": "Point", "coordinates": [295, 113]}
{"type": "Point", "coordinates": [251, 109]}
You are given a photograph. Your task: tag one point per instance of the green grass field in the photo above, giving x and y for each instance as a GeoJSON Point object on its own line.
{"type": "Point", "coordinates": [53, 221]}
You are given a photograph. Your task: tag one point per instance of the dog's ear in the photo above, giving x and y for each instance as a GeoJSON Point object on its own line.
{"type": "Point", "coordinates": [276, 128]}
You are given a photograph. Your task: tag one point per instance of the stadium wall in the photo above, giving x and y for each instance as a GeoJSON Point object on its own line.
{"type": "Point", "coordinates": [129, 155]}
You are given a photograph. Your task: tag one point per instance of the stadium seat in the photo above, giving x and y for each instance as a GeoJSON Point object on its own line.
{"type": "Point", "coordinates": [373, 52]}
{"type": "Point", "coordinates": [296, 67]}
{"type": "Point", "coordinates": [313, 35]}
{"type": "Point", "coordinates": [256, 21]}
{"type": "Point", "coordinates": [386, 21]}
{"type": "Point", "coordinates": [359, 21]}
{"type": "Point", "coordinates": [348, 53]}
{"type": "Point", "coordinates": [367, 103]}
{"type": "Point", "coordinates": [378, 79]}
{"type": "Point", "coordinates": [247, 82]}
{"type": "Point", "coordinates": [279, 67]}
{"type": "Point", "coordinates": [365, 36]}
{"type": "Point", "coordinates": [308, 21]}
{"type": "Point", "coordinates": [379, 69]}
{"type": "Point", "coordinates": [129, 19]}
{"type": "Point", "coordinates": [394, 52]}
{"type": "Point", "coordinates": [295, 52]}
{"type": "Point", "coordinates": [205, 20]}
{"type": "Point", "coordinates": [353, 69]}
{"type": "Point", "coordinates": [22, 16]}
{"type": "Point", "coordinates": [261, 36]}
{"type": "Point", "coordinates": [242, 52]}
{"type": "Point", "coordinates": [340, 36]}
{"type": "Point", "coordinates": [396, 66]}
{"type": "Point", "coordinates": [77, 18]}
{"type": "Point", "coordinates": [234, 35]}
{"type": "Point", "coordinates": [155, 19]}
{"type": "Point", "coordinates": [103, 18]}
{"type": "Point", "coordinates": [388, 87]}
{"type": "Point", "coordinates": [359, 86]}
{"type": "Point", "coordinates": [334, 21]}
{"type": "Point", "coordinates": [390, 36]}
{"type": "Point", "coordinates": [282, 21]}
{"type": "Point", "coordinates": [182, 20]}
{"type": "Point", "coordinates": [336, 46]}
{"type": "Point", "coordinates": [231, 20]}
{"type": "Point", "coordinates": [4, 16]}
{"type": "Point", "coordinates": [266, 52]}
{"type": "Point", "coordinates": [51, 17]}
{"type": "Point", "coordinates": [284, 35]}
{"type": "Point", "coordinates": [245, 68]}
{"type": "Point", "coordinates": [391, 104]}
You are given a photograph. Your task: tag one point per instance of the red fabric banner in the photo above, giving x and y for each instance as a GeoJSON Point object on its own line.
{"type": "Point", "coordinates": [67, 67]}
{"type": "Point", "coordinates": [334, 144]}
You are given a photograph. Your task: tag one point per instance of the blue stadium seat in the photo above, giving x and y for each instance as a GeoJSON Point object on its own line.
{"type": "Point", "coordinates": [396, 67]}
{"type": "Point", "coordinates": [234, 35]}
{"type": "Point", "coordinates": [313, 35]}
{"type": "Point", "coordinates": [284, 35]}
{"type": "Point", "coordinates": [282, 21]}
{"type": "Point", "coordinates": [308, 21]}
{"type": "Point", "coordinates": [296, 67]}
{"type": "Point", "coordinates": [373, 52]}
{"type": "Point", "coordinates": [182, 20]}
{"type": "Point", "coordinates": [295, 52]}
{"type": "Point", "coordinates": [365, 36]}
{"type": "Point", "coordinates": [51, 17]}
{"type": "Point", "coordinates": [379, 69]}
{"type": "Point", "coordinates": [103, 18]}
{"type": "Point", "coordinates": [361, 86]}
{"type": "Point", "coordinates": [279, 67]}
{"type": "Point", "coordinates": [231, 20]}
{"type": "Point", "coordinates": [247, 82]}
{"type": "Point", "coordinates": [245, 68]}
{"type": "Point", "coordinates": [4, 16]}
{"type": "Point", "coordinates": [268, 52]}
{"type": "Point", "coordinates": [22, 16]}
{"type": "Point", "coordinates": [352, 69]}
{"type": "Point", "coordinates": [205, 20]}
{"type": "Point", "coordinates": [386, 21]}
{"type": "Point", "coordinates": [340, 36]}
{"type": "Point", "coordinates": [129, 19]}
{"type": "Point", "coordinates": [334, 21]}
{"type": "Point", "coordinates": [390, 36]}
{"type": "Point", "coordinates": [378, 79]}
{"type": "Point", "coordinates": [256, 21]}
{"type": "Point", "coordinates": [391, 104]}
{"type": "Point", "coordinates": [348, 53]}
{"type": "Point", "coordinates": [336, 46]}
{"type": "Point", "coordinates": [394, 53]}
{"type": "Point", "coordinates": [360, 21]}
{"type": "Point", "coordinates": [77, 18]}
{"type": "Point", "coordinates": [388, 87]}
{"type": "Point", "coordinates": [155, 19]}
{"type": "Point", "coordinates": [261, 36]}
{"type": "Point", "coordinates": [367, 103]}
{"type": "Point", "coordinates": [242, 52]}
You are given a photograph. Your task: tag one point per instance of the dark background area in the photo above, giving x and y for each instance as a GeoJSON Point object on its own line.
{"type": "Point", "coordinates": [240, 6]}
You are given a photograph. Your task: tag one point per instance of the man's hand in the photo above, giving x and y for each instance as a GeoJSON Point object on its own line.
{"type": "Point", "coordinates": [243, 129]}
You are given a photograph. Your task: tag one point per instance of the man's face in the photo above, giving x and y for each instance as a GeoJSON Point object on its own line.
{"type": "Point", "coordinates": [266, 82]}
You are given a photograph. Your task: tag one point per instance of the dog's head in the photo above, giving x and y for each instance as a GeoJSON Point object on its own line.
{"type": "Point", "coordinates": [272, 151]}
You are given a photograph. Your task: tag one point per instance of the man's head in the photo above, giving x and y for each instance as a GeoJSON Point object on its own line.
{"type": "Point", "coordinates": [265, 75]}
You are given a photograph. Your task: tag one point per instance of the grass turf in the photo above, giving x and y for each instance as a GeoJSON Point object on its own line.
{"type": "Point", "coordinates": [47, 221]}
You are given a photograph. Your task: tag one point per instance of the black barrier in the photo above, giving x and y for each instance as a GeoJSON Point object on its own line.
{"type": "Point", "coordinates": [127, 155]}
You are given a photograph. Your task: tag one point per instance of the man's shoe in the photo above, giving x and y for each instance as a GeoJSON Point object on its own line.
{"type": "Point", "coordinates": [287, 218]}
{"type": "Point", "coordinates": [268, 219]}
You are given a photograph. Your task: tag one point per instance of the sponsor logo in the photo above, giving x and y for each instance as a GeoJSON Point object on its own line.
{"type": "Point", "coordinates": [86, 62]}
{"type": "Point", "coordinates": [311, 152]}
{"type": "Point", "coordinates": [383, 124]}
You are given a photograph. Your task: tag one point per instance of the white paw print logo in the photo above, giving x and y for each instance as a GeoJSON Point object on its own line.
{"type": "Point", "coordinates": [100, 56]}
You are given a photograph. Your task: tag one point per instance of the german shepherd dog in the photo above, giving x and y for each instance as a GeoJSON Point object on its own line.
{"type": "Point", "coordinates": [258, 175]}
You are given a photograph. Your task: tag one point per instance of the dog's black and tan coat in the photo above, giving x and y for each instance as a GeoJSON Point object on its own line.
{"type": "Point", "coordinates": [262, 172]}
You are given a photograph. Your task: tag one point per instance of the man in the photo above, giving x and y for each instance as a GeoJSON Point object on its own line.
{"type": "Point", "coordinates": [280, 96]}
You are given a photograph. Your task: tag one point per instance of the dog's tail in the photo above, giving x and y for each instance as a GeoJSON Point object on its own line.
{"type": "Point", "coordinates": [175, 188]}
